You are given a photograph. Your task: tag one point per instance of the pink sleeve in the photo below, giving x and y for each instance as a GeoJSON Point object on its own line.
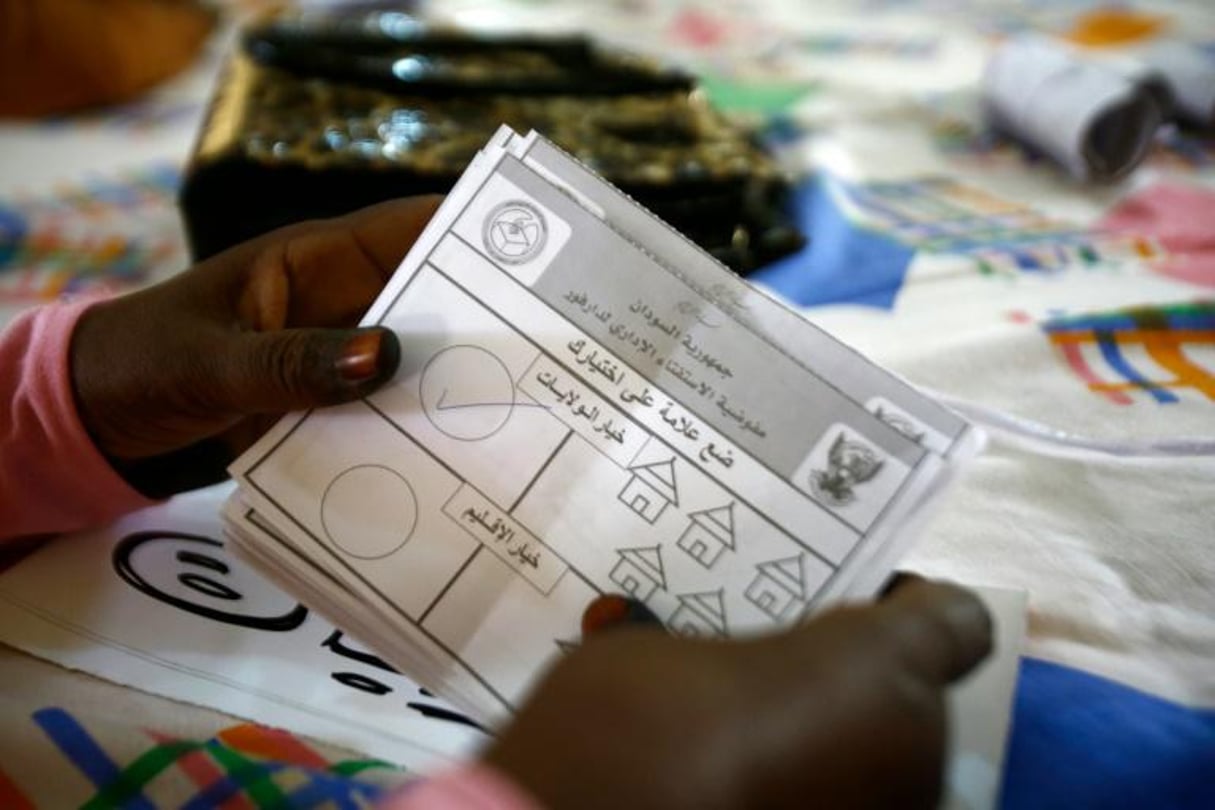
{"type": "Point", "coordinates": [469, 787]}
{"type": "Point", "coordinates": [52, 478]}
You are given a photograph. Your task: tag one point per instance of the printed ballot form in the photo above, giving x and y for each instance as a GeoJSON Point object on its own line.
{"type": "Point", "coordinates": [586, 403]}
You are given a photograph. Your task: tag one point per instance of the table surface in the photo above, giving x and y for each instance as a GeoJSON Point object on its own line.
{"type": "Point", "coordinates": [939, 249]}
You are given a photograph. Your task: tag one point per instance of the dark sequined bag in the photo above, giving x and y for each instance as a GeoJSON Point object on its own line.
{"type": "Point", "coordinates": [315, 119]}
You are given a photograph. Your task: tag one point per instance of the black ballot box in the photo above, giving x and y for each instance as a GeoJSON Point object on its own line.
{"type": "Point", "coordinates": [316, 117]}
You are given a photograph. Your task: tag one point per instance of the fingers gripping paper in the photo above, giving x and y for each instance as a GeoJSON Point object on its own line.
{"type": "Point", "coordinates": [586, 403]}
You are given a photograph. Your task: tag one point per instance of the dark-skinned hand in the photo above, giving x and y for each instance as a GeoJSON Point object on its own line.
{"type": "Point", "coordinates": [846, 711]}
{"type": "Point", "coordinates": [172, 382]}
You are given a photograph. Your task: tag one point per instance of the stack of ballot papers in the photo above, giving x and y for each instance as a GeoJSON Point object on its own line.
{"type": "Point", "coordinates": [587, 403]}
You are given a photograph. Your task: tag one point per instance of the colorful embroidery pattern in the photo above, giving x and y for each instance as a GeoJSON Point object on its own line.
{"type": "Point", "coordinates": [245, 766]}
{"type": "Point", "coordinates": [106, 234]}
{"type": "Point", "coordinates": [1157, 350]}
{"type": "Point", "coordinates": [941, 215]}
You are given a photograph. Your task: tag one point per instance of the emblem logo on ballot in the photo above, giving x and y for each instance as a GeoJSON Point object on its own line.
{"type": "Point", "coordinates": [515, 232]}
{"type": "Point", "coordinates": [849, 463]}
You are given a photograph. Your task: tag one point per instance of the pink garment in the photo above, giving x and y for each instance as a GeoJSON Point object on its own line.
{"type": "Point", "coordinates": [52, 477]}
{"type": "Point", "coordinates": [470, 787]}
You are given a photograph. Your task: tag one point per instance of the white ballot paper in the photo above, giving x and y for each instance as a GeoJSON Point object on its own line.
{"type": "Point", "coordinates": [586, 403]}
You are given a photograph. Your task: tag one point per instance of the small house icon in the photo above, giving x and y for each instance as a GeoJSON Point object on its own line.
{"type": "Point", "coordinates": [651, 489]}
{"type": "Point", "coordinates": [779, 586]}
{"type": "Point", "coordinates": [700, 614]}
{"type": "Point", "coordinates": [709, 533]}
{"type": "Point", "coordinates": [639, 572]}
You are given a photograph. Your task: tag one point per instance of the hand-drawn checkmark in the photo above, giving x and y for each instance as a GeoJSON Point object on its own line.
{"type": "Point", "coordinates": [439, 406]}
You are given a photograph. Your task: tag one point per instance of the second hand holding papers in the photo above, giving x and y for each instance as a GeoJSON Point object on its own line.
{"type": "Point", "coordinates": [587, 403]}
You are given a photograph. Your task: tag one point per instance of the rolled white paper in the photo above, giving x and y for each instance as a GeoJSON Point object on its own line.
{"type": "Point", "coordinates": [1096, 122]}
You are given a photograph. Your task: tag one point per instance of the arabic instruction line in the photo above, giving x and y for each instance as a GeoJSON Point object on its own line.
{"type": "Point", "coordinates": [648, 431]}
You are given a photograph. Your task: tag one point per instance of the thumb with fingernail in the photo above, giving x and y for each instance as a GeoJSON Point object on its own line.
{"type": "Point", "coordinates": [613, 611]}
{"type": "Point", "coordinates": [172, 382]}
{"type": "Point", "coordinates": [293, 369]}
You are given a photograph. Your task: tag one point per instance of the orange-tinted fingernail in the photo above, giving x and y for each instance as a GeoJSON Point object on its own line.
{"type": "Point", "coordinates": [360, 358]}
{"type": "Point", "coordinates": [612, 610]}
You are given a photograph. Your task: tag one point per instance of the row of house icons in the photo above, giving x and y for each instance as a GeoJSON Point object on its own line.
{"type": "Point", "coordinates": [651, 489]}
{"type": "Point", "coordinates": [778, 590]}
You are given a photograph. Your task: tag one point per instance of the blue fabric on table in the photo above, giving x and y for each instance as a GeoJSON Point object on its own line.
{"type": "Point", "coordinates": [844, 262]}
{"type": "Point", "coordinates": [1080, 740]}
